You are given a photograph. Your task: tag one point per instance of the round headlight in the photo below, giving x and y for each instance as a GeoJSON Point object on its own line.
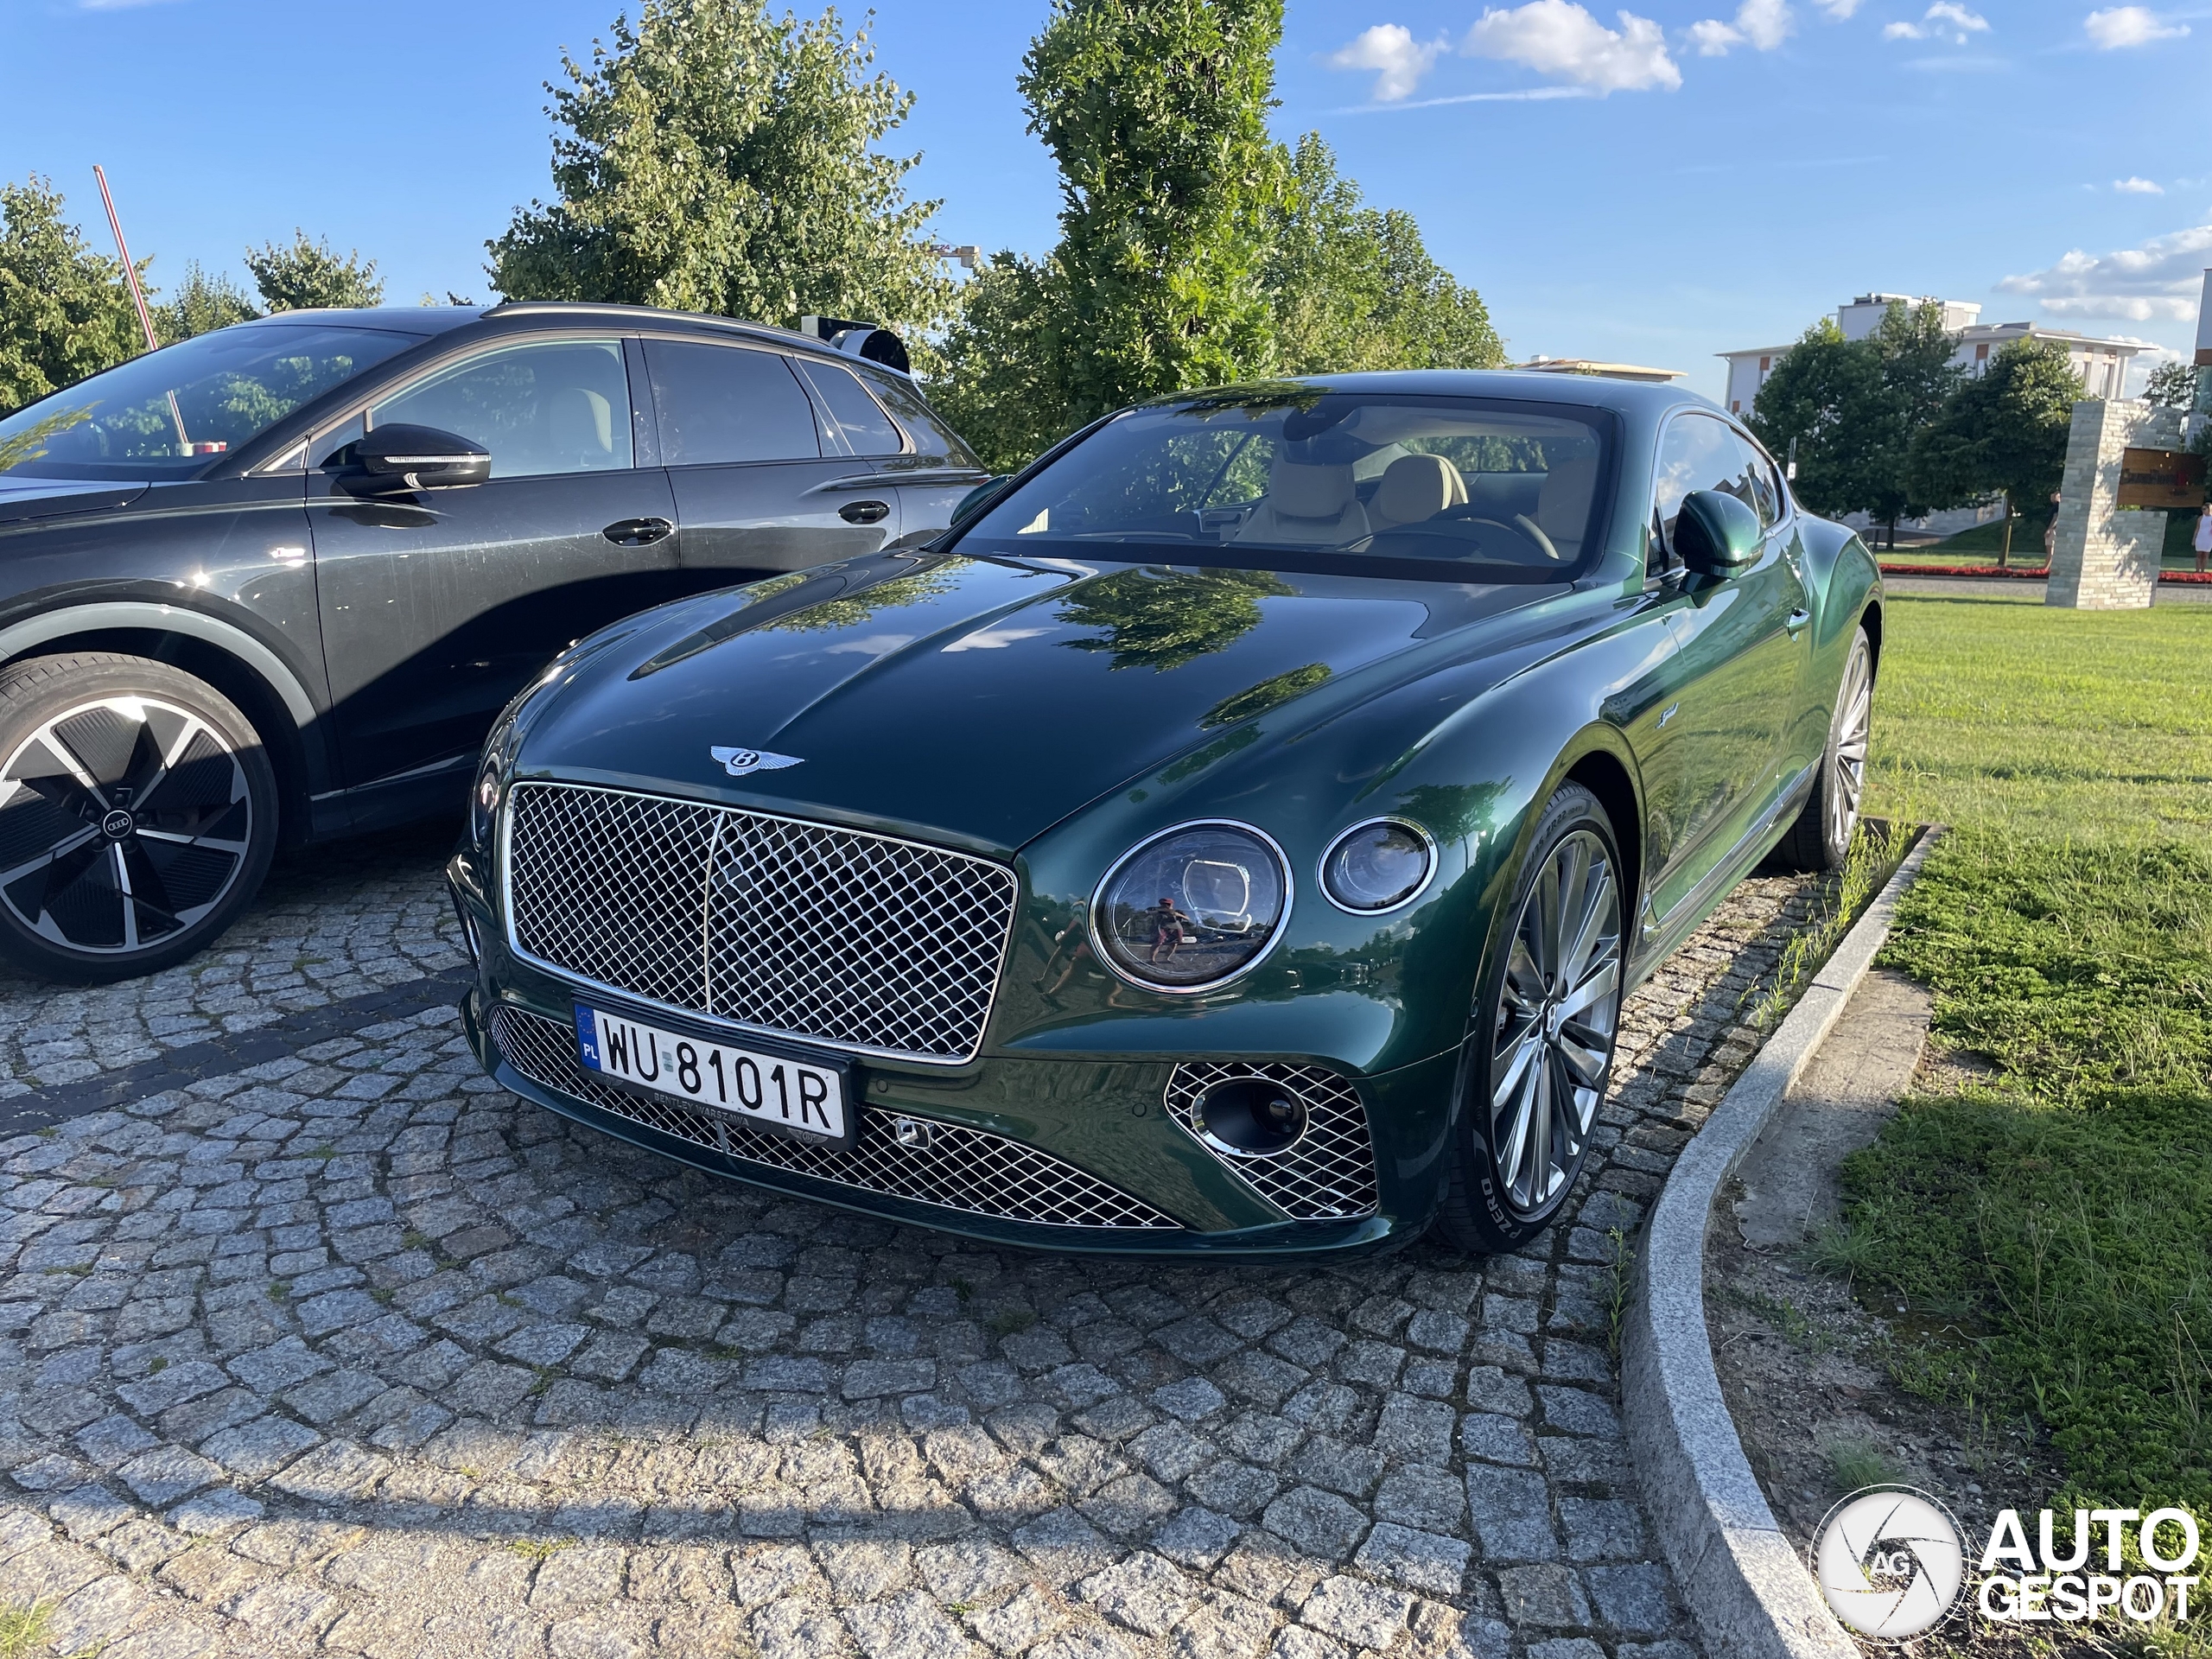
{"type": "Point", "coordinates": [1378, 866]}
{"type": "Point", "coordinates": [1191, 908]}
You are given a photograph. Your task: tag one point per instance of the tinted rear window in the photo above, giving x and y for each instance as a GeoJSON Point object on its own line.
{"type": "Point", "coordinates": [723, 404]}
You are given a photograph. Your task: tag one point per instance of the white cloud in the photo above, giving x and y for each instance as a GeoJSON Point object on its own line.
{"type": "Point", "coordinates": [1399, 60]}
{"type": "Point", "coordinates": [1760, 24]}
{"type": "Point", "coordinates": [1944, 21]}
{"type": "Point", "coordinates": [2161, 280]}
{"type": "Point", "coordinates": [2121, 26]}
{"type": "Point", "coordinates": [2134, 186]}
{"type": "Point", "coordinates": [1559, 38]}
{"type": "Point", "coordinates": [1840, 10]}
{"type": "Point", "coordinates": [874, 645]}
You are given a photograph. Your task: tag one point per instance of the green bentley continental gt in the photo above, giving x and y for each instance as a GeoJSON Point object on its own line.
{"type": "Point", "coordinates": [1234, 837]}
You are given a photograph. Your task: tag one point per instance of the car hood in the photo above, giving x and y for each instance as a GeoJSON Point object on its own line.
{"type": "Point", "coordinates": [983, 698]}
{"type": "Point", "coordinates": [29, 496]}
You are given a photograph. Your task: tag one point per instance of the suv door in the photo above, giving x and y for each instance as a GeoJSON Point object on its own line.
{"type": "Point", "coordinates": [437, 605]}
{"type": "Point", "coordinates": [1721, 769]}
{"type": "Point", "coordinates": [757, 491]}
{"type": "Point", "coordinates": [934, 469]}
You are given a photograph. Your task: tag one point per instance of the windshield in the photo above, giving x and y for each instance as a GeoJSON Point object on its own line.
{"type": "Point", "coordinates": [165, 413]}
{"type": "Point", "coordinates": [1463, 489]}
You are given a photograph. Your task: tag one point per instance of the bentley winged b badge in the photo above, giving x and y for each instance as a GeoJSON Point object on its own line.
{"type": "Point", "coordinates": [738, 762]}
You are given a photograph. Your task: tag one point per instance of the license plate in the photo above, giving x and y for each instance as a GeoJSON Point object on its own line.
{"type": "Point", "coordinates": [769, 1092]}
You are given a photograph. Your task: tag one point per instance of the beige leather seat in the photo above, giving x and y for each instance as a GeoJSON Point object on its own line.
{"type": "Point", "coordinates": [1415, 489]}
{"type": "Point", "coordinates": [1311, 506]}
{"type": "Point", "coordinates": [579, 427]}
{"type": "Point", "coordinates": [1563, 504]}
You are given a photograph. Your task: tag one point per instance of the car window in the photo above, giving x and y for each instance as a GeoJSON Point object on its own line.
{"type": "Point", "coordinates": [548, 406]}
{"type": "Point", "coordinates": [924, 424]}
{"type": "Point", "coordinates": [1700, 451]}
{"type": "Point", "coordinates": [1768, 487]}
{"type": "Point", "coordinates": [860, 427]}
{"type": "Point", "coordinates": [164, 414]}
{"type": "Point", "coordinates": [1478, 489]}
{"type": "Point", "coordinates": [719, 404]}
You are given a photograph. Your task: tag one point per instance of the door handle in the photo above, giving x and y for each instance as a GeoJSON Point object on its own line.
{"type": "Point", "coordinates": [864, 512]}
{"type": "Point", "coordinates": [1796, 621]}
{"type": "Point", "coordinates": [636, 532]}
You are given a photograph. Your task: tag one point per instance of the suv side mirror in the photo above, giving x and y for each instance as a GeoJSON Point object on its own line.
{"type": "Point", "coordinates": [403, 457]}
{"type": "Point", "coordinates": [1716, 535]}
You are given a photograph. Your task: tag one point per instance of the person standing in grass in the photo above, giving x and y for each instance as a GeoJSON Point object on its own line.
{"type": "Point", "coordinates": [2203, 542]}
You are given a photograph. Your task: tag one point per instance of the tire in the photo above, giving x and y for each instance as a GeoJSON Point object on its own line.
{"type": "Point", "coordinates": [137, 815]}
{"type": "Point", "coordinates": [1820, 837]}
{"type": "Point", "coordinates": [1540, 1051]}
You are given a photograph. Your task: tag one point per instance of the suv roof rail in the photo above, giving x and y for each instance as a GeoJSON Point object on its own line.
{"type": "Point", "coordinates": [524, 308]}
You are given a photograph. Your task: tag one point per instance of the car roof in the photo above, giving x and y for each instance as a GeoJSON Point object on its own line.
{"type": "Point", "coordinates": [1627, 396]}
{"type": "Point", "coordinates": [430, 320]}
{"type": "Point", "coordinates": [423, 320]}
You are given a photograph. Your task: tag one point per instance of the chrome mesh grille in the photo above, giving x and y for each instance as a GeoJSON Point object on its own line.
{"type": "Point", "coordinates": [887, 947]}
{"type": "Point", "coordinates": [1329, 1175]}
{"type": "Point", "coordinates": [963, 1169]}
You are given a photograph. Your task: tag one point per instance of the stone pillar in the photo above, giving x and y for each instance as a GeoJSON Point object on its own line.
{"type": "Point", "coordinates": [2103, 559]}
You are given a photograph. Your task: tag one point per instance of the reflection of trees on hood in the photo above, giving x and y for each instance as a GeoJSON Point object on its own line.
{"type": "Point", "coordinates": [1164, 621]}
{"type": "Point", "coordinates": [1452, 811]}
{"type": "Point", "coordinates": [852, 610]}
{"type": "Point", "coordinates": [1268, 693]}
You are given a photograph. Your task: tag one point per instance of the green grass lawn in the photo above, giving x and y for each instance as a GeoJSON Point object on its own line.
{"type": "Point", "coordinates": [1980, 545]}
{"type": "Point", "coordinates": [2052, 1226]}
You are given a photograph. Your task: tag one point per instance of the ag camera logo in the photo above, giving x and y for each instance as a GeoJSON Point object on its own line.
{"type": "Point", "coordinates": [1890, 1562]}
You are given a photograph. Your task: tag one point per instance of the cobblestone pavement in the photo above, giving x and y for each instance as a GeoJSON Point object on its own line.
{"type": "Point", "coordinates": [330, 922]}
{"type": "Point", "coordinates": [352, 1352]}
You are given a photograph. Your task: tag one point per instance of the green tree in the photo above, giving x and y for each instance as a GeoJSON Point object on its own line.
{"type": "Point", "coordinates": [996, 374]}
{"type": "Point", "coordinates": [1353, 287]}
{"type": "Point", "coordinates": [2003, 431]}
{"type": "Point", "coordinates": [65, 311]}
{"type": "Point", "coordinates": [1852, 409]}
{"type": "Point", "coordinates": [201, 304]}
{"type": "Point", "coordinates": [307, 275]}
{"type": "Point", "coordinates": [715, 159]}
{"type": "Point", "coordinates": [2172, 385]}
{"type": "Point", "coordinates": [1156, 112]}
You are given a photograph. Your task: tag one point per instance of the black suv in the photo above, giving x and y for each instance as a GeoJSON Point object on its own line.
{"type": "Point", "coordinates": [276, 581]}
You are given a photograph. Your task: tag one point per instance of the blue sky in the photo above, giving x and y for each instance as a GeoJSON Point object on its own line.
{"type": "Point", "coordinates": [1655, 185]}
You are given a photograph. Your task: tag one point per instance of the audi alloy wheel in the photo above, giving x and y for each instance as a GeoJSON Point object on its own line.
{"type": "Point", "coordinates": [137, 813]}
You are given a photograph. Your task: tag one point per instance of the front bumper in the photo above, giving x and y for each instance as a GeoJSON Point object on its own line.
{"type": "Point", "coordinates": [1088, 1141]}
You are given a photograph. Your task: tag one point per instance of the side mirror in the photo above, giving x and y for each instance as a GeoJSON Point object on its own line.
{"type": "Point", "coordinates": [403, 457]}
{"type": "Point", "coordinates": [981, 497]}
{"type": "Point", "coordinates": [1716, 535]}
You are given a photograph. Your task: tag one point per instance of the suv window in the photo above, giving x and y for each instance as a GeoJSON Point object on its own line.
{"type": "Point", "coordinates": [1700, 451]}
{"type": "Point", "coordinates": [718, 404]}
{"type": "Point", "coordinates": [860, 426]}
{"type": "Point", "coordinates": [924, 424]}
{"type": "Point", "coordinates": [546, 406]}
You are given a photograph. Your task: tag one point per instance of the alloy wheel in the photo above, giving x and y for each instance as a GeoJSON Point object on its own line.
{"type": "Point", "coordinates": [1847, 759]}
{"type": "Point", "coordinates": [1558, 1010]}
{"type": "Point", "coordinates": [122, 821]}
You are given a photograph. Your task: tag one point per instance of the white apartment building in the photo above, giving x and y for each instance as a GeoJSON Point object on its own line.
{"type": "Point", "coordinates": [2100, 362]}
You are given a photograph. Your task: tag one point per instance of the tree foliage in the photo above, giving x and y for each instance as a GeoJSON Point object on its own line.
{"type": "Point", "coordinates": [1852, 408]}
{"type": "Point", "coordinates": [1156, 112]}
{"type": "Point", "coordinates": [2004, 430]}
{"type": "Point", "coordinates": [306, 275]}
{"type": "Point", "coordinates": [715, 159]}
{"type": "Point", "coordinates": [202, 304]}
{"type": "Point", "coordinates": [1194, 250]}
{"type": "Point", "coordinates": [1352, 287]}
{"type": "Point", "coordinates": [2172, 385]}
{"type": "Point", "coordinates": [65, 310]}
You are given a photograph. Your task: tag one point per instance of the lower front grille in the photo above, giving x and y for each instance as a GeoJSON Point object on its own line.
{"type": "Point", "coordinates": [1330, 1174]}
{"type": "Point", "coordinates": [968, 1170]}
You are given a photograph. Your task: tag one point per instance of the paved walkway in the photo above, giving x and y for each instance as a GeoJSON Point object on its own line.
{"type": "Point", "coordinates": [2167, 592]}
{"type": "Point", "coordinates": [346, 1351]}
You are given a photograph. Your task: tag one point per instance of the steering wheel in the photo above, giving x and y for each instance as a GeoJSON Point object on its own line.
{"type": "Point", "coordinates": [1523, 528]}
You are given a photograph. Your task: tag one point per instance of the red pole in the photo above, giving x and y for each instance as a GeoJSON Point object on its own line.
{"type": "Point", "coordinates": [138, 298]}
